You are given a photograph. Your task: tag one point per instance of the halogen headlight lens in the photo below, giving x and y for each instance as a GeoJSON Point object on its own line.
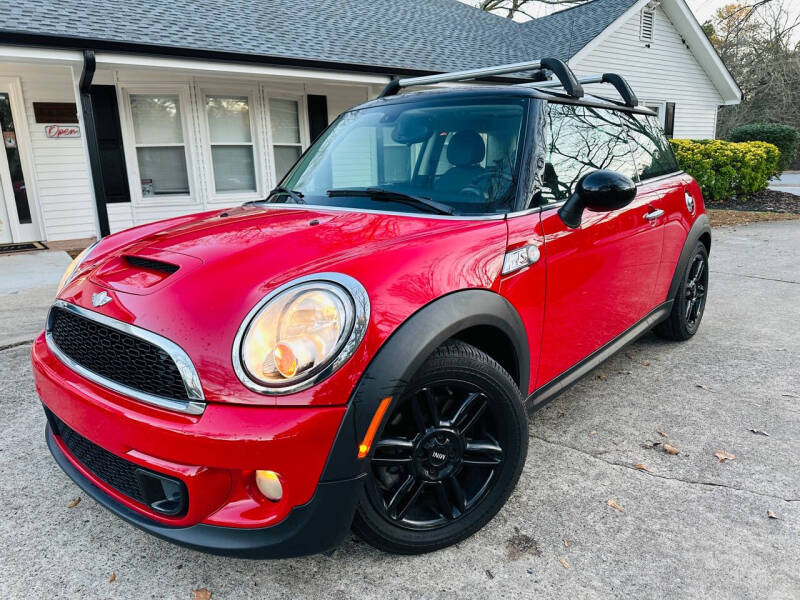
{"type": "Point", "coordinates": [300, 331]}
{"type": "Point", "coordinates": [73, 266]}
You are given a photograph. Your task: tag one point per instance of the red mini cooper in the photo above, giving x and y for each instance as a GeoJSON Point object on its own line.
{"type": "Point", "coordinates": [360, 349]}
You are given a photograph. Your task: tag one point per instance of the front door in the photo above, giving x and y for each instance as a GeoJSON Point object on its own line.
{"type": "Point", "coordinates": [600, 277]}
{"type": "Point", "coordinates": [17, 209]}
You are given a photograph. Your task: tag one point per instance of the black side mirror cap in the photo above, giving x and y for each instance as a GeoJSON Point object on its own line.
{"type": "Point", "coordinates": [600, 191]}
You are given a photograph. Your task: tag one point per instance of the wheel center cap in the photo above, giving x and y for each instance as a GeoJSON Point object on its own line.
{"type": "Point", "coordinates": [438, 453]}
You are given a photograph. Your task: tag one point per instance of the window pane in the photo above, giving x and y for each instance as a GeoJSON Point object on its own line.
{"type": "Point", "coordinates": [653, 154]}
{"type": "Point", "coordinates": [163, 171]}
{"type": "Point", "coordinates": [228, 118]}
{"type": "Point", "coordinates": [156, 119]}
{"type": "Point", "coordinates": [582, 140]}
{"type": "Point", "coordinates": [233, 168]}
{"type": "Point", "coordinates": [284, 121]}
{"type": "Point", "coordinates": [285, 157]}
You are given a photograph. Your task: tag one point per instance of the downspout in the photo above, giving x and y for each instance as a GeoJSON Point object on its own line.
{"type": "Point", "coordinates": [92, 143]}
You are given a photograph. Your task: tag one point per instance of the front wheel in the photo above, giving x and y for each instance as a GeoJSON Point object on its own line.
{"type": "Point", "coordinates": [449, 456]}
{"type": "Point", "coordinates": [690, 300]}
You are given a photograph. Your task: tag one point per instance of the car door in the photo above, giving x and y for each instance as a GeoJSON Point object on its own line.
{"type": "Point", "coordinates": [600, 276]}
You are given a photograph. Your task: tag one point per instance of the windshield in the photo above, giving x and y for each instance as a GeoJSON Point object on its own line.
{"type": "Point", "coordinates": [426, 156]}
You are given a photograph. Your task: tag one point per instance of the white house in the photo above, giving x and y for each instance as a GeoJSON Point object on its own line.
{"type": "Point", "coordinates": [120, 112]}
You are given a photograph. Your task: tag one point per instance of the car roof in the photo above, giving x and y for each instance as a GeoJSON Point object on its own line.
{"type": "Point", "coordinates": [485, 91]}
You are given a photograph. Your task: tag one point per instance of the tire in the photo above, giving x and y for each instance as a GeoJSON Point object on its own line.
{"type": "Point", "coordinates": [461, 418]}
{"type": "Point", "coordinates": [690, 299]}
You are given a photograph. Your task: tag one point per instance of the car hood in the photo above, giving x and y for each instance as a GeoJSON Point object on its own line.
{"type": "Point", "coordinates": [194, 279]}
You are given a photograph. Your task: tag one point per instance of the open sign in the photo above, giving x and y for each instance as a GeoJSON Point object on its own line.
{"type": "Point", "coordinates": [62, 131]}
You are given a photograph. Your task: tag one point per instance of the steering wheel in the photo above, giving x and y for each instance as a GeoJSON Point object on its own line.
{"type": "Point", "coordinates": [477, 186]}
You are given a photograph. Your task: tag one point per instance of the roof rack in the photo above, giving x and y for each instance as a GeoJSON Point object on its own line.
{"type": "Point", "coordinates": [566, 78]}
{"type": "Point", "coordinates": [622, 87]}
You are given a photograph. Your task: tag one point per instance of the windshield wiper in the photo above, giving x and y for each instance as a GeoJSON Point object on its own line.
{"type": "Point", "coordinates": [384, 195]}
{"type": "Point", "coordinates": [294, 195]}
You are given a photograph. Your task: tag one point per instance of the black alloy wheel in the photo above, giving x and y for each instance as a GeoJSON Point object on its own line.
{"type": "Point", "coordinates": [448, 456]}
{"type": "Point", "coordinates": [690, 300]}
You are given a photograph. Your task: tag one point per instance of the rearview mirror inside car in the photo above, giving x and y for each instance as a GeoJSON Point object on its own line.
{"type": "Point", "coordinates": [600, 191]}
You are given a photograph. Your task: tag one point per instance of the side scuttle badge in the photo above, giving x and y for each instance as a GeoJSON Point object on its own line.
{"type": "Point", "coordinates": [519, 258]}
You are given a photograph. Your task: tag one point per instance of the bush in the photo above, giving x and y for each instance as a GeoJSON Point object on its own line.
{"type": "Point", "coordinates": [785, 137]}
{"type": "Point", "coordinates": [725, 169]}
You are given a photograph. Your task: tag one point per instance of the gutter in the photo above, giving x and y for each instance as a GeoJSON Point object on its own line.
{"type": "Point", "coordinates": [92, 143]}
{"type": "Point", "coordinates": [22, 38]}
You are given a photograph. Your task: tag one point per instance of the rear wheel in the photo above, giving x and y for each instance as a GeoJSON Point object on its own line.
{"type": "Point", "coordinates": [448, 457]}
{"type": "Point", "coordinates": [690, 300]}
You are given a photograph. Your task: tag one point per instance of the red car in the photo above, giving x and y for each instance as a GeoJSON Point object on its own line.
{"type": "Point", "coordinates": [359, 349]}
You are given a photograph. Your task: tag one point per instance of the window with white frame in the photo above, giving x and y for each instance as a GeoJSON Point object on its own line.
{"type": "Point", "coordinates": [284, 118]}
{"type": "Point", "coordinates": [231, 139]}
{"type": "Point", "coordinates": [160, 145]}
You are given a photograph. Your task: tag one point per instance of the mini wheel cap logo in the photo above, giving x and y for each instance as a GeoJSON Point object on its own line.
{"type": "Point", "coordinates": [100, 298]}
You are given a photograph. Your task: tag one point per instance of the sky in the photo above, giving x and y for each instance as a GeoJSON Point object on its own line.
{"type": "Point", "coordinates": [702, 9]}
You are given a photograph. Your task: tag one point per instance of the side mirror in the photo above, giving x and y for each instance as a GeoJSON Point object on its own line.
{"type": "Point", "coordinates": [599, 191]}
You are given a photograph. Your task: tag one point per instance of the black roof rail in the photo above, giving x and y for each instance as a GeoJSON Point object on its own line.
{"type": "Point", "coordinates": [566, 78]}
{"type": "Point", "coordinates": [618, 81]}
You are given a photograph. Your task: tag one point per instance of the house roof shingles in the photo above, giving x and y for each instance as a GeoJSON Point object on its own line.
{"type": "Point", "coordinates": [421, 35]}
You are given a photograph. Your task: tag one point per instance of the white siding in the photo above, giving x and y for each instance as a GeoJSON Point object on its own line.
{"type": "Point", "coordinates": [665, 72]}
{"type": "Point", "coordinates": [60, 170]}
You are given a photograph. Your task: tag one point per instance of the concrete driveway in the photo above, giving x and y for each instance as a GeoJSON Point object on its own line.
{"type": "Point", "coordinates": [787, 182]}
{"type": "Point", "coordinates": [688, 525]}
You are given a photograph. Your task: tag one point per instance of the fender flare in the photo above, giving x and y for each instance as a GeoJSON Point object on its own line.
{"type": "Point", "coordinates": [699, 227]}
{"type": "Point", "coordinates": [403, 354]}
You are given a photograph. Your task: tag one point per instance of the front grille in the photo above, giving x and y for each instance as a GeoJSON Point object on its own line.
{"type": "Point", "coordinates": [116, 355]}
{"type": "Point", "coordinates": [161, 493]}
{"type": "Point", "coordinates": [110, 468]}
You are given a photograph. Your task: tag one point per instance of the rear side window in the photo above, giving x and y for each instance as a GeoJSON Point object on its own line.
{"type": "Point", "coordinates": [582, 139]}
{"type": "Point", "coordinates": [652, 152]}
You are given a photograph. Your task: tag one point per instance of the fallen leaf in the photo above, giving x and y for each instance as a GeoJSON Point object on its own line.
{"type": "Point", "coordinates": [566, 543]}
{"type": "Point", "coordinates": [645, 363]}
{"type": "Point", "coordinates": [113, 577]}
{"type": "Point", "coordinates": [758, 432]}
{"type": "Point", "coordinates": [613, 504]}
{"type": "Point", "coordinates": [602, 376]}
{"type": "Point", "coordinates": [641, 467]}
{"type": "Point", "coordinates": [564, 563]}
{"type": "Point", "coordinates": [650, 445]}
{"type": "Point", "coordinates": [669, 449]}
{"type": "Point", "coordinates": [705, 387]}
{"type": "Point", "coordinates": [723, 456]}
{"type": "Point", "coordinates": [489, 574]}
{"type": "Point", "coordinates": [74, 503]}
{"type": "Point", "coordinates": [790, 395]}
{"type": "Point", "coordinates": [592, 432]}
{"type": "Point", "coordinates": [625, 372]}
{"type": "Point", "coordinates": [662, 434]}
{"type": "Point", "coordinates": [771, 515]}
{"type": "Point", "coordinates": [202, 594]}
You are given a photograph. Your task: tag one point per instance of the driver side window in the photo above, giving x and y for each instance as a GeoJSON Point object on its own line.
{"type": "Point", "coordinates": [582, 139]}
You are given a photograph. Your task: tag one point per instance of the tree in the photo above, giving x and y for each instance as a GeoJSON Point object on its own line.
{"type": "Point", "coordinates": [758, 43]}
{"type": "Point", "coordinates": [516, 8]}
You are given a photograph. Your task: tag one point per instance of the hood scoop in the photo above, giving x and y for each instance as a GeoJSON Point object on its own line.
{"type": "Point", "coordinates": [143, 272]}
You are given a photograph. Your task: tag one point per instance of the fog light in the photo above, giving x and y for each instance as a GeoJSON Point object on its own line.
{"type": "Point", "coordinates": [269, 484]}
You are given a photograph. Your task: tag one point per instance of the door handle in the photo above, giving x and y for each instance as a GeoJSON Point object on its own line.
{"type": "Point", "coordinates": [652, 216]}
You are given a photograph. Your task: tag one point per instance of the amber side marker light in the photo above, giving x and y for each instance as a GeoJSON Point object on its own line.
{"type": "Point", "coordinates": [366, 443]}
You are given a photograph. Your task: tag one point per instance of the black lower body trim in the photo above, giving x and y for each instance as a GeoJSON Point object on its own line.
{"type": "Point", "coordinates": [553, 388]}
{"type": "Point", "coordinates": [319, 525]}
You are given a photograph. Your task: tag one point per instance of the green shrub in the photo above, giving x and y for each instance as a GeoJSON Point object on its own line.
{"type": "Point", "coordinates": [725, 169]}
{"type": "Point", "coordinates": [785, 137]}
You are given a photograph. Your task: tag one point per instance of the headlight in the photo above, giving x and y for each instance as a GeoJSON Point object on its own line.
{"type": "Point", "coordinates": [73, 266]}
{"type": "Point", "coordinates": [301, 333]}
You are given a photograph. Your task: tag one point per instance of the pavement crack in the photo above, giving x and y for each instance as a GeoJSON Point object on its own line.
{"type": "Point", "coordinates": [15, 345]}
{"type": "Point", "coordinates": [598, 456]}
{"type": "Point", "coordinates": [755, 277]}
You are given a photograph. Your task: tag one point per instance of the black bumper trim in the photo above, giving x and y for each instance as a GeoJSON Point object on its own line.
{"type": "Point", "coordinates": [319, 525]}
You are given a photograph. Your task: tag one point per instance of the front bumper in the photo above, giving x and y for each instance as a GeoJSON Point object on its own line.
{"type": "Point", "coordinates": [214, 455]}
{"type": "Point", "coordinates": [319, 525]}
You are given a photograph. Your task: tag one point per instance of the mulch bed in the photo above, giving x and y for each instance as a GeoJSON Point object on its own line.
{"type": "Point", "coordinates": [766, 201]}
